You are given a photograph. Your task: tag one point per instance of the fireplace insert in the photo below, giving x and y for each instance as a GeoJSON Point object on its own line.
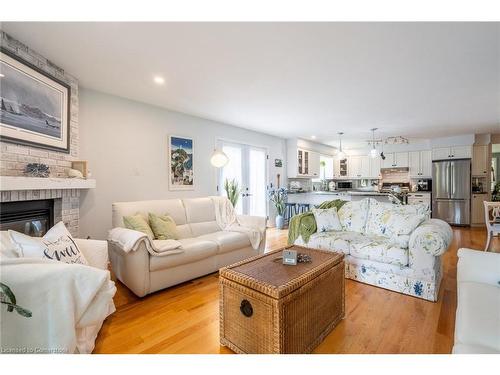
{"type": "Point", "coordinates": [33, 218]}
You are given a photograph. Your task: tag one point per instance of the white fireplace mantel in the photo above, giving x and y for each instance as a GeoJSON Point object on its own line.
{"type": "Point", "coordinates": [12, 183]}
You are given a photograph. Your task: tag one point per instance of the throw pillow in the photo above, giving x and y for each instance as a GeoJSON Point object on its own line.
{"type": "Point", "coordinates": [379, 217]}
{"type": "Point", "coordinates": [164, 227]}
{"type": "Point", "coordinates": [404, 223]}
{"type": "Point", "coordinates": [56, 244]}
{"type": "Point", "coordinates": [8, 249]}
{"type": "Point", "coordinates": [139, 223]}
{"type": "Point", "coordinates": [354, 214]}
{"type": "Point", "coordinates": [327, 219]}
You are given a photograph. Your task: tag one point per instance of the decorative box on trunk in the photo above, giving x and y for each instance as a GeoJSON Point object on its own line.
{"type": "Point", "coordinates": [269, 307]}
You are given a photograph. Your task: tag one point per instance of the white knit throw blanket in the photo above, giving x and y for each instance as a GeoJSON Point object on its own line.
{"type": "Point", "coordinates": [67, 302]}
{"type": "Point", "coordinates": [227, 219]}
{"type": "Point", "coordinates": [129, 240]}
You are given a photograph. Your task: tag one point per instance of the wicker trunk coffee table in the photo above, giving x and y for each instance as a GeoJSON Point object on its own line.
{"type": "Point", "coordinates": [268, 307]}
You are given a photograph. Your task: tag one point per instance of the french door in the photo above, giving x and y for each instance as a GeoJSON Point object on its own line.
{"type": "Point", "coordinates": [248, 166]}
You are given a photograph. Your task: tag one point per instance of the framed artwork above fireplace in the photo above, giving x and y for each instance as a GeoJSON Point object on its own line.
{"type": "Point", "coordinates": [34, 106]}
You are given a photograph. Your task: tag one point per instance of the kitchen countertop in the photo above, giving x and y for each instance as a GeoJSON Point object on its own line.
{"type": "Point", "coordinates": [341, 192]}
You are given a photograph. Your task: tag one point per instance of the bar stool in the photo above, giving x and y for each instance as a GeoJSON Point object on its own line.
{"type": "Point", "coordinates": [302, 207]}
{"type": "Point", "coordinates": [290, 211]}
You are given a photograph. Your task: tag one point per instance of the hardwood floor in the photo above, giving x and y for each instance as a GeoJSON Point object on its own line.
{"type": "Point", "coordinates": [185, 318]}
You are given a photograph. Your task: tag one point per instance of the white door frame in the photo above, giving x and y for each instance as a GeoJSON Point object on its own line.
{"type": "Point", "coordinates": [219, 183]}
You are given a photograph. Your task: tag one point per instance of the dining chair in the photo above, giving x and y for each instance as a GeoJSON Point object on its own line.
{"type": "Point", "coordinates": [492, 220]}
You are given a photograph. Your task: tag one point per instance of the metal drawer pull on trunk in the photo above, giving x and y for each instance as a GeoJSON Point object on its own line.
{"type": "Point", "coordinates": [246, 308]}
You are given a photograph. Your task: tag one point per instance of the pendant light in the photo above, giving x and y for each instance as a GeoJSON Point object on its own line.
{"type": "Point", "coordinates": [340, 154]}
{"type": "Point", "coordinates": [373, 151]}
{"type": "Point", "coordinates": [219, 159]}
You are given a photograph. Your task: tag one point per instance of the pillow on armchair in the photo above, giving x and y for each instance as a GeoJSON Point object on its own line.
{"type": "Point", "coordinates": [56, 244]}
{"type": "Point", "coordinates": [353, 215]}
{"type": "Point", "coordinates": [327, 219]}
{"type": "Point", "coordinates": [386, 219]}
{"type": "Point", "coordinates": [404, 224]}
{"type": "Point", "coordinates": [7, 247]}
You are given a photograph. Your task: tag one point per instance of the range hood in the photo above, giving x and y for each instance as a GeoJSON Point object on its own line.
{"type": "Point", "coordinates": [395, 170]}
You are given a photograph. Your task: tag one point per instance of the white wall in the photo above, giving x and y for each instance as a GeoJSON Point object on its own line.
{"type": "Point", "coordinates": [310, 145]}
{"type": "Point", "coordinates": [125, 143]}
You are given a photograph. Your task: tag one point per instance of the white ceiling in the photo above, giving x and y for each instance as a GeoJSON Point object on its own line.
{"type": "Point", "coordinates": [419, 80]}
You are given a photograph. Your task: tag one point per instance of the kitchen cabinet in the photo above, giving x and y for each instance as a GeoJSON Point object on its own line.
{"type": "Point", "coordinates": [359, 166]}
{"type": "Point", "coordinates": [314, 164]}
{"type": "Point", "coordinates": [419, 197]}
{"type": "Point", "coordinates": [420, 164]}
{"type": "Point", "coordinates": [336, 168]}
{"type": "Point", "coordinates": [341, 168]}
{"type": "Point", "coordinates": [477, 214]}
{"type": "Point", "coordinates": [461, 152]}
{"type": "Point", "coordinates": [441, 153]}
{"type": "Point", "coordinates": [353, 166]}
{"type": "Point", "coordinates": [375, 167]}
{"type": "Point", "coordinates": [455, 152]}
{"type": "Point", "coordinates": [364, 168]}
{"type": "Point", "coordinates": [480, 161]}
{"type": "Point", "coordinates": [395, 160]}
{"type": "Point", "coordinates": [302, 163]}
{"type": "Point", "coordinates": [426, 163]}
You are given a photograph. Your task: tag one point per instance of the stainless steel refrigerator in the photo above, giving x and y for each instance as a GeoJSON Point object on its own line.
{"type": "Point", "coordinates": [451, 190]}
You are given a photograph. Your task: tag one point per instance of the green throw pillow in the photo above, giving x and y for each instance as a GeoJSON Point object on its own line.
{"type": "Point", "coordinates": [139, 223]}
{"type": "Point", "coordinates": [164, 227]}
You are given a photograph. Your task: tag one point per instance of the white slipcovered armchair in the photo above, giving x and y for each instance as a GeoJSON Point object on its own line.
{"type": "Point", "coordinates": [67, 303]}
{"type": "Point", "coordinates": [477, 326]}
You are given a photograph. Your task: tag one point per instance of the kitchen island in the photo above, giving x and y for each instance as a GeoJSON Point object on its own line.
{"type": "Point", "coordinates": [318, 197]}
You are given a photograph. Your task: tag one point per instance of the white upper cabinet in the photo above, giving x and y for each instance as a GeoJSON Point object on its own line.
{"type": "Point", "coordinates": [336, 167]}
{"type": "Point", "coordinates": [314, 164]}
{"type": "Point", "coordinates": [375, 167]}
{"type": "Point", "coordinates": [395, 159]}
{"type": "Point", "coordinates": [297, 162]}
{"type": "Point", "coordinates": [360, 166]}
{"type": "Point", "coordinates": [441, 153]}
{"type": "Point", "coordinates": [401, 159]}
{"type": "Point", "coordinates": [364, 168]}
{"type": "Point", "coordinates": [455, 152]}
{"type": "Point", "coordinates": [420, 164]}
{"type": "Point", "coordinates": [461, 152]}
{"type": "Point", "coordinates": [302, 163]}
{"type": "Point", "coordinates": [480, 161]}
{"type": "Point", "coordinates": [388, 162]}
{"type": "Point", "coordinates": [426, 163]}
{"type": "Point", "coordinates": [414, 158]}
{"type": "Point", "coordinates": [354, 166]}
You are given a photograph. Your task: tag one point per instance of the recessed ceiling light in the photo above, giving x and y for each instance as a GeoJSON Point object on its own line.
{"type": "Point", "coordinates": [313, 137]}
{"type": "Point", "coordinates": [159, 80]}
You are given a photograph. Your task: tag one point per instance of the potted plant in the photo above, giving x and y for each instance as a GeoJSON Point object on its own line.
{"type": "Point", "coordinates": [495, 196]}
{"type": "Point", "coordinates": [278, 198]}
{"type": "Point", "coordinates": [232, 190]}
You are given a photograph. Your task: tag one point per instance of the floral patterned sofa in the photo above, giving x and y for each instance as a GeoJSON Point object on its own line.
{"type": "Point", "coordinates": [390, 246]}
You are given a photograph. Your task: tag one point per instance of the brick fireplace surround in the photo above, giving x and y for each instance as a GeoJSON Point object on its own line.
{"type": "Point", "coordinates": [14, 157]}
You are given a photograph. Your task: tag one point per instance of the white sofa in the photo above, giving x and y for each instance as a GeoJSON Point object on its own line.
{"type": "Point", "coordinates": [205, 247]}
{"type": "Point", "coordinates": [477, 325]}
{"type": "Point", "coordinates": [59, 322]}
{"type": "Point", "coordinates": [407, 263]}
